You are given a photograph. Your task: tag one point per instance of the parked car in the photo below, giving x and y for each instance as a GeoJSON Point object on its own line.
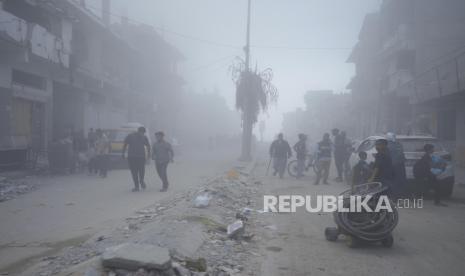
{"type": "Point", "coordinates": [413, 150]}
{"type": "Point", "coordinates": [116, 137]}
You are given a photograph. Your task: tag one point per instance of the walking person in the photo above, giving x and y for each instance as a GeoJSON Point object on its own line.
{"type": "Point", "coordinates": [300, 149]}
{"type": "Point", "coordinates": [323, 161]}
{"type": "Point", "coordinates": [396, 150]}
{"type": "Point", "coordinates": [162, 153]}
{"type": "Point", "coordinates": [383, 170]}
{"type": "Point", "coordinates": [339, 153]}
{"type": "Point", "coordinates": [425, 173]}
{"type": "Point", "coordinates": [139, 149]}
{"type": "Point", "coordinates": [280, 151]}
{"type": "Point", "coordinates": [102, 148]}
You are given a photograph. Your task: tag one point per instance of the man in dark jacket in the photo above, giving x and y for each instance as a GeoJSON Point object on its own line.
{"type": "Point", "coordinates": [163, 154]}
{"type": "Point", "coordinates": [383, 170]}
{"type": "Point", "coordinates": [280, 151]}
{"type": "Point", "coordinates": [138, 144]}
{"type": "Point", "coordinates": [425, 177]}
{"type": "Point", "coordinates": [396, 150]}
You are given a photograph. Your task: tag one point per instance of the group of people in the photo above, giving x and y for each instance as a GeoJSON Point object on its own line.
{"type": "Point", "coordinates": [138, 149]}
{"type": "Point", "coordinates": [97, 152]}
{"type": "Point", "coordinates": [280, 151]}
{"type": "Point", "coordinates": [387, 168]}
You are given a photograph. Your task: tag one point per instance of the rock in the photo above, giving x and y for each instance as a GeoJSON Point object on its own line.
{"type": "Point", "coordinates": [199, 264]}
{"type": "Point", "coordinates": [134, 256]}
{"type": "Point", "coordinates": [180, 270]}
{"type": "Point", "coordinates": [236, 228]}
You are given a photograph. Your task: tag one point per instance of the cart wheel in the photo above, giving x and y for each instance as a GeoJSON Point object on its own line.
{"type": "Point", "coordinates": [388, 241]}
{"type": "Point", "coordinates": [331, 233]}
{"type": "Point", "coordinates": [352, 241]}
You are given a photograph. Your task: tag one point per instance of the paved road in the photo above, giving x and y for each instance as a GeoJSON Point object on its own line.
{"type": "Point", "coordinates": [68, 209]}
{"type": "Point", "coordinates": [428, 241]}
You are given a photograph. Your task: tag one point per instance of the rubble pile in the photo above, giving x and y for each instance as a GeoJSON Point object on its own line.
{"type": "Point", "coordinates": [11, 188]}
{"type": "Point", "coordinates": [185, 235]}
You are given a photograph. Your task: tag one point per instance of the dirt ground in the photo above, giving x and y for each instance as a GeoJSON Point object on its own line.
{"type": "Point", "coordinates": [427, 241]}
{"type": "Point", "coordinates": [58, 225]}
{"type": "Point", "coordinates": [66, 210]}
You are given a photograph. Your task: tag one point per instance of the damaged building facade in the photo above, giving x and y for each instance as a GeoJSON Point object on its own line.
{"type": "Point", "coordinates": [64, 69]}
{"type": "Point", "coordinates": [410, 72]}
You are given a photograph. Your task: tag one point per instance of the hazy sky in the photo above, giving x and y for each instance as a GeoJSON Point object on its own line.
{"type": "Point", "coordinates": [280, 29]}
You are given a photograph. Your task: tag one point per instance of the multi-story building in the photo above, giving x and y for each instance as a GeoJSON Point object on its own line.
{"type": "Point", "coordinates": [64, 69]}
{"type": "Point", "coordinates": [410, 66]}
{"type": "Point", "coordinates": [324, 110]}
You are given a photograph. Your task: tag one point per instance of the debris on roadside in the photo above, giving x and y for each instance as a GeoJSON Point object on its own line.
{"type": "Point", "coordinates": [12, 188]}
{"type": "Point", "coordinates": [172, 238]}
{"type": "Point", "coordinates": [130, 256]}
{"type": "Point", "coordinates": [202, 200]}
{"type": "Point", "coordinates": [235, 229]}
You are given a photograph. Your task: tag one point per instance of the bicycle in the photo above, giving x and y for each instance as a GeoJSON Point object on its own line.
{"type": "Point", "coordinates": [311, 162]}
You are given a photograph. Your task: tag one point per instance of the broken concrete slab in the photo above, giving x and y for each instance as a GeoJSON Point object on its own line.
{"type": "Point", "coordinates": [133, 256]}
{"type": "Point", "coordinates": [236, 228]}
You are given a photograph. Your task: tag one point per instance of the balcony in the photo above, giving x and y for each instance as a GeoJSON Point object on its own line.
{"type": "Point", "coordinates": [12, 28]}
{"type": "Point", "coordinates": [402, 39]}
{"type": "Point", "coordinates": [42, 43]}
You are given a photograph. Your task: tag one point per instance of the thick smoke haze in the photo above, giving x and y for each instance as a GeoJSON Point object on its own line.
{"type": "Point", "coordinates": [305, 42]}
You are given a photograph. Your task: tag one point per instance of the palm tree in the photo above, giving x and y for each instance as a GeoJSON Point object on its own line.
{"type": "Point", "coordinates": [254, 93]}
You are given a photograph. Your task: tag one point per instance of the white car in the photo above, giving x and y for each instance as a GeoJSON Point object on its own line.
{"type": "Point", "coordinates": [413, 151]}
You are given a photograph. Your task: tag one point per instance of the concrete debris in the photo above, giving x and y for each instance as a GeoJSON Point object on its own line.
{"type": "Point", "coordinates": [132, 256]}
{"type": "Point", "coordinates": [235, 229]}
{"type": "Point", "coordinates": [10, 189]}
{"type": "Point", "coordinates": [172, 238]}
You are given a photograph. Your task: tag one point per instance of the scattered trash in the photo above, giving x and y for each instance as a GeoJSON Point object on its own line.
{"type": "Point", "coordinates": [233, 174]}
{"type": "Point", "coordinates": [202, 200]}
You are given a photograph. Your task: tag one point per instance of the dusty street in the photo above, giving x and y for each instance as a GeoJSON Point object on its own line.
{"type": "Point", "coordinates": [66, 210]}
{"type": "Point", "coordinates": [427, 241]}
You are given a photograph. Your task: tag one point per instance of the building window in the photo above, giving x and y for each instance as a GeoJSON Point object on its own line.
{"type": "Point", "coordinates": [28, 79]}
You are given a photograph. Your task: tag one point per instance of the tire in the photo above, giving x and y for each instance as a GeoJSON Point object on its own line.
{"type": "Point", "coordinates": [388, 242]}
{"type": "Point", "coordinates": [292, 168]}
{"type": "Point", "coordinates": [331, 233]}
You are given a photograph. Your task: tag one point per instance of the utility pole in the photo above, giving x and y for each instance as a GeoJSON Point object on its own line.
{"type": "Point", "coordinates": [247, 45]}
{"type": "Point", "coordinates": [247, 121]}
